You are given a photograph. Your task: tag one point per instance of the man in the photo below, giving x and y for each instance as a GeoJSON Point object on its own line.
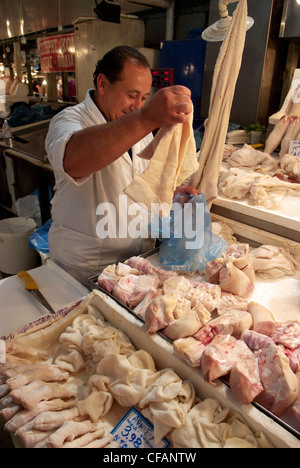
{"type": "Point", "coordinates": [93, 149]}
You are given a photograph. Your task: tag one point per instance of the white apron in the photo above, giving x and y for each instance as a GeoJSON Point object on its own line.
{"type": "Point", "coordinates": [77, 239]}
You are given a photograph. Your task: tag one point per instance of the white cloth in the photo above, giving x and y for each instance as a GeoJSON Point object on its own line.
{"type": "Point", "coordinates": [73, 240]}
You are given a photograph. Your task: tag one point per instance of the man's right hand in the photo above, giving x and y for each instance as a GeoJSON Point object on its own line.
{"type": "Point", "coordinates": [168, 106]}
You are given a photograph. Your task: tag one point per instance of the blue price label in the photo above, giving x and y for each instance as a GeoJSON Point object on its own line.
{"type": "Point", "coordinates": [135, 431]}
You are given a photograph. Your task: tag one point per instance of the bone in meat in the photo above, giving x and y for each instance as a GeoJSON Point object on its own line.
{"type": "Point", "coordinates": [229, 302]}
{"type": "Point", "coordinates": [235, 281]}
{"type": "Point", "coordinates": [69, 431]}
{"type": "Point", "coordinates": [213, 268]}
{"type": "Point", "coordinates": [237, 253]}
{"type": "Point", "coordinates": [108, 278]}
{"type": "Point", "coordinates": [279, 382]}
{"type": "Point", "coordinates": [286, 334]}
{"type": "Point", "coordinates": [205, 293]}
{"type": "Point", "coordinates": [140, 309]}
{"type": "Point", "coordinates": [125, 287]}
{"type": "Point", "coordinates": [145, 266]}
{"type": "Point", "coordinates": [141, 288]}
{"type": "Point", "coordinates": [230, 323]}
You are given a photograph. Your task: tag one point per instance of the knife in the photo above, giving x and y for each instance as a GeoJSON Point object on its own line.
{"type": "Point", "coordinates": [32, 287]}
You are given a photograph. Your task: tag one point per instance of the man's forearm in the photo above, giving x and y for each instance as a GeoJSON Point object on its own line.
{"type": "Point", "coordinates": [94, 148]}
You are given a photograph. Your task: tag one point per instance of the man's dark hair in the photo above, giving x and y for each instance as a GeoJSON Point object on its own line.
{"type": "Point", "coordinates": [112, 63]}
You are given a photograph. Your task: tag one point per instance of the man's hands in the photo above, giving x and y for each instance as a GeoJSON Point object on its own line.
{"type": "Point", "coordinates": [188, 190]}
{"type": "Point", "coordinates": [168, 106]}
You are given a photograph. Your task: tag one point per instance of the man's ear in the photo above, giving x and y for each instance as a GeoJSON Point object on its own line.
{"type": "Point", "coordinates": [102, 83]}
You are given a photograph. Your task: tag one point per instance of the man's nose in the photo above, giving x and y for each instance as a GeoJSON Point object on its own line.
{"type": "Point", "coordinates": [137, 104]}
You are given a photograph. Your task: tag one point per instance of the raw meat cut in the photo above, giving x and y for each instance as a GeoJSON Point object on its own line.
{"type": "Point", "coordinates": [163, 310]}
{"type": "Point", "coordinates": [190, 350]}
{"type": "Point", "coordinates": [131, 289]}
{"type": "Point", "coordinates": [259, 314]}
{"type": "Point", "coordinates": [221, 355]}
{"type": "Point", "coordinates": [279, 382]}
{"type": "Point", "coordinates": [212, 270]}
{"type": "Point", "coordinates": [238, 254]}
{"type": "Point", "coordinates": [235, 281]}
{"type": "Point", "coordinates": [244, 380]}
{"type": "Point", "coordinates": [141, 308]}
{"type": "Point", "coordinates": [108, 278]}
{"type": "Point", "coordinates": [182, 327]}
{"type": "Point", "coordinates": [230, 323]}
{"type": "Point", "coordinates": [286, 334]}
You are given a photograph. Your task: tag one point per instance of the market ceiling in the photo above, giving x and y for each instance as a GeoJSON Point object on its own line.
{"type": "Point", "coordinates": [22, 17]}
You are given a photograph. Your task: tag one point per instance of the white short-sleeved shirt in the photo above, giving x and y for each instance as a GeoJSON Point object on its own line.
{"type": "Point", "coordinates": [76, 239]}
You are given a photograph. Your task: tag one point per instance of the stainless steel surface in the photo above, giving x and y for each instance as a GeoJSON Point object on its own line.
{"type": "Point", "coordinates": [30, 140]}
{"type": "Point", "coordinates": [290, 22]}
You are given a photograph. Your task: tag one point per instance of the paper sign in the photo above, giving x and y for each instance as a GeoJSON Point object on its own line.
{"type": "Point", "coordinates": [135, 431]}
{"type": "Point", "coordinates": [294, 148]}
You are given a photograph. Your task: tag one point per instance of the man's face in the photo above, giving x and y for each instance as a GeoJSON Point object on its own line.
{"type": "Point", "coordinates": [125, 95]}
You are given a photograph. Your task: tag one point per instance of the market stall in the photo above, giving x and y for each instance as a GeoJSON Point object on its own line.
{"type": "Point", "coordinates": [159, 353]}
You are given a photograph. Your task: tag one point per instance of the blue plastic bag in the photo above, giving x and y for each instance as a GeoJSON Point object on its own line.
{"type": "Point", "coordinates": [187, 240]}
{"type": "Point", "coordinates": [39, 238]}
